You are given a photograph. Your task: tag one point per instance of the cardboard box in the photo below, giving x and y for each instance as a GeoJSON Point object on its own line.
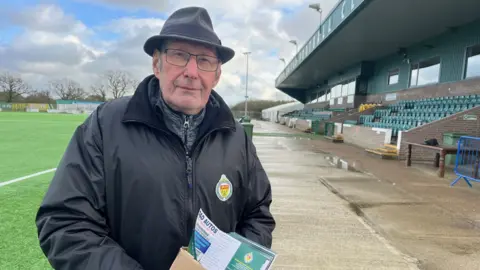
{"type": "Point", "coordinates": [185, 261]}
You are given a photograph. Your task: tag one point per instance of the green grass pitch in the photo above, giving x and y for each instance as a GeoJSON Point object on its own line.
{"type": "Point", "coordinates": [30, 143]}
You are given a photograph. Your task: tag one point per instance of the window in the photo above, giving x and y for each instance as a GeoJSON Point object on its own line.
{"type": "Point", "coordinates": [393, 76]}
{"type": "Point", "coordinates": [342, 93]}
{"type": "Point", "coordinates": [473, 62]}
{"type": "Point", "coordinates": [343, 9]}
{"type": "Point", "coordinates": [344, 90]}
{"type": "Point", "coordinates": [350, 99]}
{"type": "Point", "coordinates": [351, 87]}
{"type": "Point", "coordinates": [425, 72]}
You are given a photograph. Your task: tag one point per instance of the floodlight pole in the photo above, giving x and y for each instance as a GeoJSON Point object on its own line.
{"type": "Point", "coordinates": [246, 84]}
{"type": "Point", "coordinates": [318, 9]}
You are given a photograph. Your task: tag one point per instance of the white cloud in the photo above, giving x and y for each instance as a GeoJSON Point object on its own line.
{"type": "Point", "coordinates": [48, 18]}
{"type": "Point", "coordinates": [56, 44]}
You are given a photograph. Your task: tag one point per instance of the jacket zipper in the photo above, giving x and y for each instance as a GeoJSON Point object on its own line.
{"type": "Point", "coordinates": [191, 216]}
{"type": "Point", "coordinates": [189, 176]}
{"type": "Point", "coordinates": [190, 188]}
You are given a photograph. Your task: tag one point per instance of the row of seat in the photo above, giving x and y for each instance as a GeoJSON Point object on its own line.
{"type": "Point", "coordinates": [452, 100]}
{"type": "Point", "coordinates": [366, 118]}
{"type": "Point", "coordinates": [312, 117]}
{"type": "Point", "coordinates": [382, 112]}
{"type": "Point", "coordinates": [416, 121]}
{"type": "Point", "coordinates": [471, 96]}
{"type": "Point", "coordinates": [449, 110]}
{"type": "Point", "coordinates": [414, 117]}
{"type": "Point", "coordinates": [407, 114]}
{"type": "Point", "coordinates": [395, 127]}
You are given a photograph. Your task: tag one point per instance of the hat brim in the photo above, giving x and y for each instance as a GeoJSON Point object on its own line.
{"type": "Point", "coordinates": [155, 42]}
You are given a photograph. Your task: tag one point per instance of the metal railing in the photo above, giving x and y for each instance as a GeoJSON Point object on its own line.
{"type": "Point", "coordinates": [338, 15]}
{"type": "Point", "coordinates": [467, 163]}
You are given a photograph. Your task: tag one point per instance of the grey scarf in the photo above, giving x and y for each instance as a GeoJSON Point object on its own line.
{"type": "Point", "coordinates": [185, 126]}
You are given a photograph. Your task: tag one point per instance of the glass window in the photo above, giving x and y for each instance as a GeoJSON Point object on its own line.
{"type": "Point", "coordinates": [345, 89]}
{"type": "Point", "coordinates": [330, 24]}
{"type": "Point", "coordinates": [425, 72]}
{"type": "Point", "coordinates": [343, 9]}
{"type": "Point", "coordinates": [351, 87]}
{"type": "Point", "coordinates": [393, 76]}
{"type": "Point", "coordinates": [473, 62]}
{"type": "Point", "coordinates": [350, 99]}
{"type": "Point", "coordinates": [338, 89]}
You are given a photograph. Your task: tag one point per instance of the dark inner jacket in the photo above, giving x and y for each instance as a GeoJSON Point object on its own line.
{"type": "Point", "coordinates": [128, 189]}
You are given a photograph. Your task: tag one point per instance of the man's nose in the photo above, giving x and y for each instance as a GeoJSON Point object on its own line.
{"type": "Point", "coordinates": [191, 69]}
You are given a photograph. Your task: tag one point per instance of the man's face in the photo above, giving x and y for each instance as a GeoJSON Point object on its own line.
{"type": "Point", "coordinates": [186, 87]}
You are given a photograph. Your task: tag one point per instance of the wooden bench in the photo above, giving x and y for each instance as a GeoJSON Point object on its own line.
{"type": "Point", "coordinates": [439, 162]}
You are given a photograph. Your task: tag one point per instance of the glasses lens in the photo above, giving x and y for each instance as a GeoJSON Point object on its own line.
{"type": "Point", "coordinates": [180, 58]}
{"type": "Point", "coordinates": [176, 57]}
{"type": "Point", "coordinates": [207, 63]}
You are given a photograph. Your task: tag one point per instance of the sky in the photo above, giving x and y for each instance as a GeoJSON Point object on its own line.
{"type": "Point", "coordinates": [44, 40]}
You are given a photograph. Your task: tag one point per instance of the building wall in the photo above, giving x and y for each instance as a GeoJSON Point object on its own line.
{"type": "Point", "coordinates": [366, 137]}
{"type": "Point", "coordinates": [454, 123]}
{"type": "Point", "coordinates": [340, 117]}
{"type": "Point", "coordinates": [450, 47]}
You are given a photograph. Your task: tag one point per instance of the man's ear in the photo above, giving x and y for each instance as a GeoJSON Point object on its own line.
{"type": "Point", "coordinates": [217, 76]}
{"type": "Point", "coordinates": [156, 63]}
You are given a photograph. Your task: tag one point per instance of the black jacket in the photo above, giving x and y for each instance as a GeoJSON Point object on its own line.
{"type": "Point", "coordinates": [120, 198]}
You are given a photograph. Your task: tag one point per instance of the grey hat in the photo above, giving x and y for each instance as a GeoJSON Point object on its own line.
{"type": "Point", "coordinates": [190, 24]}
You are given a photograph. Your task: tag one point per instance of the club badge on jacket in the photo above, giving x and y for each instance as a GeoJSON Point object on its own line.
{"type": "Point", "coordinates": [224, 188]}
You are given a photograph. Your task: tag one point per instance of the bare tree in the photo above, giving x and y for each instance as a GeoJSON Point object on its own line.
{"type": "Point", "coordinates": [39, 96]}
{"type": "Point", "coordinates": [118, 82]}
{"type": "Point", "coordinates": [12, 87]}
{"type": "Point", "coordinates": [100, 90]}
{"type": "Point", "coordinates": [67, 89]}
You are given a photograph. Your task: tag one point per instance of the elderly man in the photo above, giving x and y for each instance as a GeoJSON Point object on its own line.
{"type": "Point", "coordinates": [135, 174]}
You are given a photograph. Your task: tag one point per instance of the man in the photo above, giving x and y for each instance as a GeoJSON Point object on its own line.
{"type": "Point", "coordinates": [135, 174]}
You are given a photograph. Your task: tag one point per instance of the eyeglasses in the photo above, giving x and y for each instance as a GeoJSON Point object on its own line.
{"type": "Point", "coordinates": [181, 58]}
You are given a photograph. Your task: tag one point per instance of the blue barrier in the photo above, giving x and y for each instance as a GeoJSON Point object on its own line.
{"type": "Point", "coordinates": [467, 163]}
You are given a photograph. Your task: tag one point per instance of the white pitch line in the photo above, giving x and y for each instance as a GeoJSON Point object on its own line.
{"type": "Point", "coordinates": [26, 177]}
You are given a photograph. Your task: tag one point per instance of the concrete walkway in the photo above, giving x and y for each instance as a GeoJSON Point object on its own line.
{"type": "Point", "coordinates": [317, 229]}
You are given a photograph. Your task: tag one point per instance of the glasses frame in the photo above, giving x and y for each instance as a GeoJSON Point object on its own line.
{"type": "Point", "coordinates": [189, 57]}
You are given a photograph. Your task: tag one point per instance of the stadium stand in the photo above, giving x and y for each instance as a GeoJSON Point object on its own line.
{"type": "Point", "coordinates": [410, 75]}
{"type": "Point", "coordinates": [408, 114]}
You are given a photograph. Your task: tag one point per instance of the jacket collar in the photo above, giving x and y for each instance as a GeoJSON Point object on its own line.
{"type": "Point", "coordinates": [141, 109]}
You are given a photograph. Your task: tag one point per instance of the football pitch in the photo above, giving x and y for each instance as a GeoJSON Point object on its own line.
{"type": "Point", "coordinates": [30, 145]}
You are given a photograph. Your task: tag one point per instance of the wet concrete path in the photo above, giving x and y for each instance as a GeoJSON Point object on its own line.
{"type": "Point", "coordinates": [317, 229]}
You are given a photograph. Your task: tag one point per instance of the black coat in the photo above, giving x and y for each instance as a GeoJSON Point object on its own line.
{"type": "Point", "coordinates": [120, 198]}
